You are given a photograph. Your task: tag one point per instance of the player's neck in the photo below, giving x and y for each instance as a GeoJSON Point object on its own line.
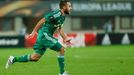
{"type": "Point", "coordinates": [62, 12]}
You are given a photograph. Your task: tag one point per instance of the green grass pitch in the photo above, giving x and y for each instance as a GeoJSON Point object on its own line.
{"type": "Point", "coordinates": [94, 60]}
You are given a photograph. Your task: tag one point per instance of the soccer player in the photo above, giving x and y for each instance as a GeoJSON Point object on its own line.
{"type": "Point", "coordinates": [46, 27]}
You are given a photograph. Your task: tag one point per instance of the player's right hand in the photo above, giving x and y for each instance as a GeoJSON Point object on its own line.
{"type": "Point", "coordinates": [31, 38]}
{"type": "Point", "coordinates": [32, 35]}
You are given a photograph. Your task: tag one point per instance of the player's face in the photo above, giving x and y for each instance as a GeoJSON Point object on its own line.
{"type": "Point", "coordinates": [68, 8]}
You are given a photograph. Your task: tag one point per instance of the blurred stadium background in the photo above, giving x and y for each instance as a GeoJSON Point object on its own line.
{"type": "Point", "coordinates": [93, 25]}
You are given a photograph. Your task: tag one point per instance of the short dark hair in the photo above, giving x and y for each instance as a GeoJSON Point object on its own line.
{"type": "Point", "coordinates": [63, 3]}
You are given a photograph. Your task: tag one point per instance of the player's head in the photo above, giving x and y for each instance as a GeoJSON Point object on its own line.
{"type": "Point", "coordinates": [66, 6]}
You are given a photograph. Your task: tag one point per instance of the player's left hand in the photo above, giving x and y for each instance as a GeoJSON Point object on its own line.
{"type": "Point", "coordinates": [68, 42]}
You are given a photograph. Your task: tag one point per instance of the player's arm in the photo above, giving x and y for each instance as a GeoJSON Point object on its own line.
{"type": "Point", "coordinates": [63, 35]}
{"type": "Point", "coordinates": [38, 26]}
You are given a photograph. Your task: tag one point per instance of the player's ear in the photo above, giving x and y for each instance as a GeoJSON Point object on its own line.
{"type": "Point", "coordinates": [64, 7]}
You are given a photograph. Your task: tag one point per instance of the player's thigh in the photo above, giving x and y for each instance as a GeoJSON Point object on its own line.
{"type": "Point", "coordinates": [39, 49]}
{"type": "Point", "coordinates": [37, 54]}
{"type": "Point", "coordinates": [58, 47]}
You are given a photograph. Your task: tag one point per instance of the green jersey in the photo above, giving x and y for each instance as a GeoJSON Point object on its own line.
{"type": "Point", "coordinates": [45, 39]}
{"type": "Point", "coordinates": [54, 21]}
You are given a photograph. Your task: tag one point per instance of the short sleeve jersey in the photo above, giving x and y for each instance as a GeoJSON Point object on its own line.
{"type": "Point", "coordinates": [54, 21]}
